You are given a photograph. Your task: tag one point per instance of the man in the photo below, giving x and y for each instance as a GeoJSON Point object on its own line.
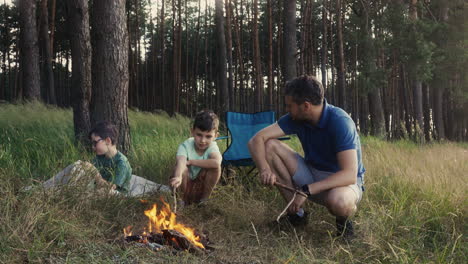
{"type": "Point", "coordinates": [331, 172]}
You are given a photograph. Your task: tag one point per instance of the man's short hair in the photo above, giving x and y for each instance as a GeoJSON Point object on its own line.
{"type": "Point", "coordinates": [206, 120]}
{"type": "Point", "coordinates": [305, 88]}
{"type": "Point", "coordinates": [105, 130]}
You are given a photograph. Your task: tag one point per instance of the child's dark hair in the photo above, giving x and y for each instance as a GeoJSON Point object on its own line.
{"type": "Point", "coordinates": [206, 120]}
{"type": "Point", "coordinates": [105, 130]}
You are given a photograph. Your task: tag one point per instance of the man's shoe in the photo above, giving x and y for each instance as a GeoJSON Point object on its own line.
{"type": "Point", "coordinates": [344, 228]}
{"type": "Point", "coordinates": [296, 220]}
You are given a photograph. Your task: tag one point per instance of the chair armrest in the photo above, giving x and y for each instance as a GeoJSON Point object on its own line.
{"type": "Point", "coordinates": [284, 138]}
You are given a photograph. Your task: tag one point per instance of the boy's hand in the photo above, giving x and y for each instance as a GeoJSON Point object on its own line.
{"type": "Point", "coordinates": [188, 163]}
{"type": "Point", "coordinates": [175, 182]}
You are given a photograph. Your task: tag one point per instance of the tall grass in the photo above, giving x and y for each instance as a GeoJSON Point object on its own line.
{"type": "Point", "coordinates": [413, 210]}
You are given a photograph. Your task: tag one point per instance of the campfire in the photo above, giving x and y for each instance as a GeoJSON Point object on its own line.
{"type": "Point", "coordinates": [163, 230]}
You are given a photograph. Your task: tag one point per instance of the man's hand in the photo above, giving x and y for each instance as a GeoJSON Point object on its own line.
{"type": "Point", "coordinates": [175, 182]}
{"type": "Point", "coordinates": [267, 177]}
{"type": "Point", "coordinates": [297, 204]}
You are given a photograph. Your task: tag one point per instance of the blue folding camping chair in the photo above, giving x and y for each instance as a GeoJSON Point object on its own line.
{"type": "Point", "coordinates": [241, 128]}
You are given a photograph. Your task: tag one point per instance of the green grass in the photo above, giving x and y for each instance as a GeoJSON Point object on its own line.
{"type": "Point", "coordinates": [413, 211]}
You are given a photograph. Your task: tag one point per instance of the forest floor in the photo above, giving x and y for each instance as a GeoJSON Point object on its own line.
{"type": "Point", "coordinates": [414, 209]}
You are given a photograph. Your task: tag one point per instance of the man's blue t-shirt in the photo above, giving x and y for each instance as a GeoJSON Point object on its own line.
{"type": "Point", "coordinates": [335, 132]}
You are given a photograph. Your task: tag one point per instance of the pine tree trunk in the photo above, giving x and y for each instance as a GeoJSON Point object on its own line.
{"type": "Point", "coordinates": [364, 115]}
{"type": "Point", "coordinates": [426, 113]}
{"type": "Point", "coordinates": [221, 57]}
{"type": "Point", "coordinates": [80, 42]}
{"type": "Point", "coordinates": [289, 40]}
{"type": "Point", "coordinates": [52, 24]}
{"type": "Point", "coordinates": [29, 50]}
{"type": "Point", "coordinates": [110, 68]}
{"type": "Point", "coordinates": [48, 74]}
{"type": "Point", "coordinates": [324, 49]}
{"type": "Point", "coordinates": [417, 85]}
{"type": "Point", "coordinates": [229, 55]}
{"type": "Point", "coordinates": [162, 85]}
{"type": "Point", "coordinates": [341, 76]}
{"type": "Point", "coordinates": [270, 56]}
{"type": "Point", "coordinates": [257, 61]}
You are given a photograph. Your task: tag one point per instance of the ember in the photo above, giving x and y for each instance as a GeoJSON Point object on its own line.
{"type": "Point", "coordinates": [163, 229]}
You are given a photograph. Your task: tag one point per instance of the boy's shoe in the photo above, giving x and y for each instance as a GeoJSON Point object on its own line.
{"type": "Point", "coordinates": [344, 228]}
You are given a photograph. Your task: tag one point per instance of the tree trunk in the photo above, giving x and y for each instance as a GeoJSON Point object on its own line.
{"type": "Point", "coordinates": [417, 85]}
{"type": "Point", "coordinates": [324, 49]}
{"type": "Point", "coordinates": [341, 76]}
{"type": "Point", "coordinates": [48, 73]}
{"type": "Point", "coordinates": [229, 56]}
{"type": "Point", "coordinates": [426, 113]}
{"type": "Point", "coordinates": [438, 91]}
{"type": "Point", "coordinates": [240, 60]}
{"type": "Point", "coordinates": [78, 21]}
{"type": "Point", "coordinates": [289, 40]}
{"type": "Point", "coordinates": [364, 115]}
{"type": "Point", "coordinates": [270, 56]}
{"type": "Point", "coordinates": [162, 85]}
{"type": "Point", "coordinates": [257, 61]}
{"type": "Point", "coordinates": [221, 56]}
{"type": "Point", "coordinates": [110, 65]}
{"type": "Point", "coordinates": [29, 50]}
{"type": "Point", "coordinates": [52, 25]}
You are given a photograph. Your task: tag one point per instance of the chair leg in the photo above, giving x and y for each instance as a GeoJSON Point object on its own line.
{"type": "Point", "coordinates": [250, 181]}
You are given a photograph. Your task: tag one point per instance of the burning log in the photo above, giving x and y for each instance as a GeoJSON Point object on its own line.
{"type": "Point", "coordinates": [164, 229]}
{"type": "Point", "coordinates": [136, 238]}
{"type": "Point", "coordinates": [178, 240]}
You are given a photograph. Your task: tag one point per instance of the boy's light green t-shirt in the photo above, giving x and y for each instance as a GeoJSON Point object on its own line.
{"type": "Point", "coordinates": [187, 149]}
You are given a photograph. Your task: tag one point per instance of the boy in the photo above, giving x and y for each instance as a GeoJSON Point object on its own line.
{"type": "Point", "coordinates": [198, 166]}
{"type": "Point", "coordinates": [110, 169]}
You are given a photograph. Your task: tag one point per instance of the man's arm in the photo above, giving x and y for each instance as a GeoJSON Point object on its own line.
{"type": "Point", "coordinates": [257, 150]}
{"type": "Point", "coordinates": [347, 160]}
{"type": "Point", "coordinates": [213, 161]}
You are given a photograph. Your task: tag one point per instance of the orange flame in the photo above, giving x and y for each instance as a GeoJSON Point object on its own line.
{"type": "Point", "coordinates": [127, 231]}
{"type": "Point", "coordinates": [166, 219]}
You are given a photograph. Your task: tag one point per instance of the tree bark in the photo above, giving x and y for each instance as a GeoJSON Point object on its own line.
{"type": "Point", "coordinates": [110, 65]}
{"type": "Point", "coordinates": [270, 55]}
{"type": "Point", "coordinates": [257, 61]}
{"type": "Point", "coordinates": [324, 49]}
{"type": "Point", "coordinates": [29, 50]}
{"type": "Point", "coordinates": [229, 56]}
{"type": "Point", "coordinates": [289, 40]}
{"type": "Point", "coordinates": [417, 85]}
{"type": "Point", "coordinates": [221, 56]}
{"type": "Point", "coordinates": [48, 73]}
{"type": "Point", "coordinates": [78, 21]}
{"type": "Point", "coordinates": [341, 76]}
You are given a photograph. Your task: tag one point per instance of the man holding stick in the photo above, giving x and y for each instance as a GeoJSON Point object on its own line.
{"type": "Point", "coordinates": [331, 172]}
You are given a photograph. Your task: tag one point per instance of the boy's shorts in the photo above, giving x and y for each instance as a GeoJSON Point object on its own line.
{"type": "Point", "coordinates": [307, 174]}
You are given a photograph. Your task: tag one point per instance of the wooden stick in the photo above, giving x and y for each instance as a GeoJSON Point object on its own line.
{"type": "Point", "coordinates": [291, 189]}
{"type": "Point", "coordinates": [286, 208]}
{"type": "Point", "coordinates": [174, 193]}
